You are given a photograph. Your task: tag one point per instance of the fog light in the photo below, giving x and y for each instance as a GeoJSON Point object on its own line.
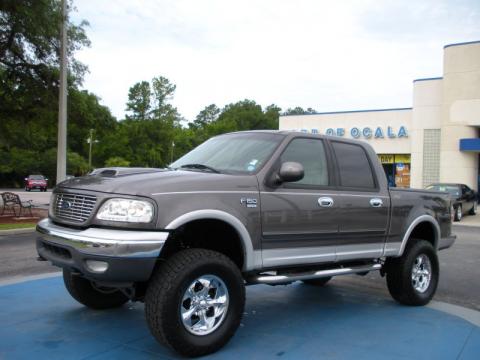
{"type": "Point", "coordinates": [96, 266]}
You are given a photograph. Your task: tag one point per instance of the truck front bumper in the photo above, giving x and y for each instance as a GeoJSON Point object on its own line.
{"type": "Point", "coordinates": [104, 255]}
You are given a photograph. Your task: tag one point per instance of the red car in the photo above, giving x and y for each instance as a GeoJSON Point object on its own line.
{"type": "Point", "coordinates": [36, 182]}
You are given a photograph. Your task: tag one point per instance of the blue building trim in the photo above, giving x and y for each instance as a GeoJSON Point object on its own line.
{"type": "Point", "coordinates": [462, 43]}
{"type": "Point", "coordinates": [350, 111]}
{"type": "Point", "coordinates": [470, 145]}
{"type": "Point", "coordinates": [428, 79]}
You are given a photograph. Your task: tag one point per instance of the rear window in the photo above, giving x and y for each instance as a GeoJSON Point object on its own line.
{"type": "Point", "coordinates": [354, 167]}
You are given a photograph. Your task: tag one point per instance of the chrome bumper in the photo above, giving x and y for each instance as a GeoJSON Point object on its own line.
{"type": "Point", "coordinates": [104, 242]}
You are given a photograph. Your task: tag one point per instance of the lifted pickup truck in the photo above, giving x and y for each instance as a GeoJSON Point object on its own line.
{"type": "Point", "coordinates": [257, 207]}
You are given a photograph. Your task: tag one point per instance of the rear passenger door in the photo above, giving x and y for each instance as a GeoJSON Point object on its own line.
{"type": "Point", "coordinates": [363, 207]}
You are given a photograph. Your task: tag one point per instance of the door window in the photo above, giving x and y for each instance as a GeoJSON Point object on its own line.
{"type": "Point", "coordinates": [311, 154]}
{"type": "Point", "coordinates": [354, 167]}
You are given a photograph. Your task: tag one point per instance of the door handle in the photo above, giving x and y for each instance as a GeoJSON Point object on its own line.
{"type": "Point", "coordinates": [325, 201]}
{"type": "Point", "coordinates": [375, 202]}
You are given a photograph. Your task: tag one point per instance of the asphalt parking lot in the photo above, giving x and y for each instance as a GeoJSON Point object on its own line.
{"type": "Point", "coordinates": [458, 277]}
{"type": "Point", "coordinates": [41, 321]}
{"type": "Point", "coordinates": [352, 317]}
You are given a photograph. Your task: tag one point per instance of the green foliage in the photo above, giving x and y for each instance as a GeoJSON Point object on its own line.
{"type": "Point", "coordinates": [151, 134]}
{"type": "Point", "coordinates": [299, 111]}
{"type": "Point", "coordinates": [116, 161]}
{"type": "Point", "coordinates": [139, 98]}
{"type": "Point", "coordinates": [29, 32]}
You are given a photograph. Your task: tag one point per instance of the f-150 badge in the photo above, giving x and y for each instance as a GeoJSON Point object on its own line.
{"type": "Point", "coordinates": [250, 202]}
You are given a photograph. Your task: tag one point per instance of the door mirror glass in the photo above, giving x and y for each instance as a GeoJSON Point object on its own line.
{"type": "Point", "coordinates": [290, 171]}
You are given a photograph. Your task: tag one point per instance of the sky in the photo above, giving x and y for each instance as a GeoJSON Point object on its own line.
{"type": "Point", "coordinates": [327, 55]}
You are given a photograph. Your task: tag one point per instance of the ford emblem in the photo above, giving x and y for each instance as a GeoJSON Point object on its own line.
{"type": "Point", "coordinates": [66, 205]}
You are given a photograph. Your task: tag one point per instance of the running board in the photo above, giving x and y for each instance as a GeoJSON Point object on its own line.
{"type": "Point", "coordinates": [288, 278]}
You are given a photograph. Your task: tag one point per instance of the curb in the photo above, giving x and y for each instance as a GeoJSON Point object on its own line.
{"type": "Point", "coordinates": [17, 231]}
{"type": "Point", "coordinates": [466, 225]}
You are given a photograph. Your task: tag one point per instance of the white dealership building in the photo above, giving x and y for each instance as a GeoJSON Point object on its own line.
{"type": "Point", "coordinates": [436, 140]}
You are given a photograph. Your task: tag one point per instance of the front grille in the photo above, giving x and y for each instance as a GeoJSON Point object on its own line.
{"type": "Point", "coordinates": [58, 251]}
{"type": "Point", "coordinates": [73, 207]}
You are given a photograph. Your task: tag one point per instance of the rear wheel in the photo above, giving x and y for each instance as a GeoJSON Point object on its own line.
{"type": "Point", "coordinates": [317, 282]}
{"type": "Point", "coordinates": [195, 301]}
{"type": "Point", "coordinates": [458, 213]}
{"type": "Point", "coordinates": [90, 294]}
{"type": "Point", "coordinates": [412, 279]}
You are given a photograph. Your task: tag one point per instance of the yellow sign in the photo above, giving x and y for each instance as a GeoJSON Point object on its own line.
{"type": "Point", "coordinates": [402, 158]}
{"type": "Point", "coordinates": [394, 158]}
{"type": "Point", "coordinates": [386, 158]}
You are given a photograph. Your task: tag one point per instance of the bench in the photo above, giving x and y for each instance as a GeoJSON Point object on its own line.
{"type": "Point", "coordinates": [11, 201]}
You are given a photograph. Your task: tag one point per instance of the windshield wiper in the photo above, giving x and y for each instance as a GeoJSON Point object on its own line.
{"type": "Point", "coordinates": [200, 167]}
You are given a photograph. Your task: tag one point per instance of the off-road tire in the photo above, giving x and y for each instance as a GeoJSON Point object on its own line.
{"type": "Point", "coordinates": [399, 274]}
{"type": "Point", "coordinates": [317, 282]}
{"type": "Point", "coordinates": [85, 293]}
{"type": "Point", "coordinates": [164, 297]}
{"type": "Point", "coordinates": [458, 213]}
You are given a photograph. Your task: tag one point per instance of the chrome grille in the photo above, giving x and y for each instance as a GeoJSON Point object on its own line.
{"type": "Point", "coordinates": [73, 207]}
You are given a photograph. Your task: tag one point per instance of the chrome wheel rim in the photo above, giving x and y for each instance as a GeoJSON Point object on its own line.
{"type": "Point", "coordinates": [421, 273]}
{"type": "Point", "coordinates": [204, 305]}
{"type": "Point", "coordinates": [459, 213]}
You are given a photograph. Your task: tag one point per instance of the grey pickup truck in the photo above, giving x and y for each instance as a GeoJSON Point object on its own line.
{"type": "Point", "coordinates": [255, 207]}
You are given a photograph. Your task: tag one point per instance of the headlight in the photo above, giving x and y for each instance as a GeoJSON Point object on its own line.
{"type": "Point", "coordinates": [126, 210]}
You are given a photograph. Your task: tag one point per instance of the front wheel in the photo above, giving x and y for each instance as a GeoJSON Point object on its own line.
{"type": "Point", "coordinates": [194, 301]}
{"type": "Point", "coordinates": [91, 295]}
{"type": "Point", "coordinates": [412, 279]}
{"type": "Point", "coordinates": [458, 213]}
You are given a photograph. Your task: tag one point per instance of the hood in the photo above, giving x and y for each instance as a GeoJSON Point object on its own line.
{"type": "Point", "coordinates": [161, 181]}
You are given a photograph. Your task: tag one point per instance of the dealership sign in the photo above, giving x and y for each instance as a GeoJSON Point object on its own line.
{"type": "Point", "coordinates": [378, 132]}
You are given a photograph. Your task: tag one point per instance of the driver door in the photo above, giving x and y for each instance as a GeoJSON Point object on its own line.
{"type": "Point", "coordinates": [299, 219]}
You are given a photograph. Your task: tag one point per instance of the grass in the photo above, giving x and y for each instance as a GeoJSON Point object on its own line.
{"type": "Point", "coordinates": [17, 226]}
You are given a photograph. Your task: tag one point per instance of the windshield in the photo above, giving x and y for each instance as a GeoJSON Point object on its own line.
{"type": "Point", "coordinates": [451, 189]}
{"type": "Point", "coordinates": [36, 177]}
{"type": "Point", "coordinates": [243, 153]}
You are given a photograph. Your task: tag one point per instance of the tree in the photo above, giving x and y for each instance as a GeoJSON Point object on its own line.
{"type": "Point", "coordinates": [299, 111]}
{"type": "Point", "coordinates": [208, 115]}
{"type": "Point", "coordinates": [29, 41]}
{"type": "Point", "coordinates": [29, 72]}
{"type": "Point", "coordinates": [117, 161]}
{"type": "Point", "coordinates": [163, 91]}
{"type": "Point", "coordinates": [139, 98]}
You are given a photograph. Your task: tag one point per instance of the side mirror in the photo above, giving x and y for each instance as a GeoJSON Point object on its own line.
{"type": "Point", "coordinates": [290, 171]}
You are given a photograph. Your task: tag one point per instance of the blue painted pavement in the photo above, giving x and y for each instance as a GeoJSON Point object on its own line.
{"type": "Point", "coordinates": [39, 320]}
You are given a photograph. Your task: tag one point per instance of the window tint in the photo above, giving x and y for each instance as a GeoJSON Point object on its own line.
{"type": "Point", "coordinates": [354, 167]}
{"type": "Point", "coordinates": [311, 154]}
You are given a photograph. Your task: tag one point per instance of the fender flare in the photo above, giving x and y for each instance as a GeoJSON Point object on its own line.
{"type": "Point", "coordinates": [252, 260]}
{"type": "Point", "coordinates": [423, 218]}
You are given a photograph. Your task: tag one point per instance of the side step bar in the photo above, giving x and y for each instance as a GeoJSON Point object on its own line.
{"type": "Point", "coordinates": [287, 278]}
